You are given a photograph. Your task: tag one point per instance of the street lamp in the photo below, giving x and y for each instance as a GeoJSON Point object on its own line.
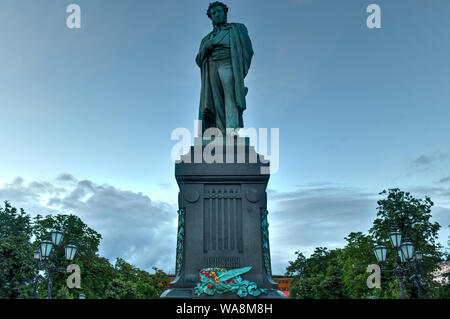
{"type": "Point", "coordinates": [419, 255]}
{"type": "Point", "coordinates": [396, 238]}
{"type": "Point", "coordinates": [380, 253]}
{"type": "Point", "coordinates": [407, 249]}
{"type": "Point", "coordinates": [417, 277]}
{"type": "Point", "coordinates": [70, 251]}
{"type": "Point", "coordinates": [47, 246]}
{"type": "Point", "coordinates": [57, 236]}
{"type": "Point", "coordinates": [37, 276]}
{"type": "Point", "coordinates": [37, 255]}
{"type": "Point", "coordinates": [401, 256]}
{"type": "Point", "coordinates": [405, 255]}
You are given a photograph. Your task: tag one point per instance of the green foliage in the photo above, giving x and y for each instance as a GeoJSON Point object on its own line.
{"type": "Point", "coordinates": [93, 268]}
{"type": "Point", "coordinates": [85, 238]}
{"type": "Point", "coordinates": [354, 259]}
{"type": "Point", "coordinates": [317, 277]}
{"type": "Point", "coordinates": [160, 281]}
{"type": "Point", "coordinates": [121, 289]}
{"type": "Point", "coordinates": [297, 267]}
{"type": "Point", "coordinates": [63, 293]}
{"type": "Point", "coordinates": [448, 248]}
{"type": "Point", "coordinates": [96, 273]}
{"type": "Point", "coordinates": [412, 217]}
{"type": "Point", "coordinates": [16, 253]}
{"type": "Point", "coordinates": [20, 235]}
{"type": "Point", "coordinates": [441, 291]}
{"type": "Point", "coordinates": [99, 279]}
{"type": "Point", "coordinates": [132, 283]}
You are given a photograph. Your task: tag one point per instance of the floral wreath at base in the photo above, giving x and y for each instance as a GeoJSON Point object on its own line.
{"type": "Point", "coordinates": [221, 280]}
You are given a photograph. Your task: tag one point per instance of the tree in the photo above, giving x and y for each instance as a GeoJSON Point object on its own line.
{"type": "Point", "coordinates": [160, 280]}
{"type": "Point", "coordinates": [316, 277]}
{"type": "Point", "coordinates": [121, 289]}
{"type": "Point", "coordinates": [99, 278]}
{"type": "Point", "coordinates": [354, 259]}
{"type": "Point", "coordinates": [442, 291]}
{"type": "Point", "coordinates": [16, 253]}
{"type": "Point", "coordinates": [94, 270]}
{"type": "Point", "coordinates": [85, 238]}
{"type": "Point", "coordinates": [131, 282]}
{"type": "Point", "coordinates": [448, 248]}
{"type": "Point", "coordinates": [412, 217]}
{"type": "Point", "coordinates": [96, 274]}
{"type": "Point", "coordinates": [296, 269]}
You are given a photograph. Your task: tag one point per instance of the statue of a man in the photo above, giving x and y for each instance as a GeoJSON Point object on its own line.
{"type": "Point", "coordinates": [224, 59]}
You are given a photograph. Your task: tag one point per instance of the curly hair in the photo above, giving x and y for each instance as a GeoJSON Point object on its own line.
{"type": "Point", "coordinates": [217, 3]}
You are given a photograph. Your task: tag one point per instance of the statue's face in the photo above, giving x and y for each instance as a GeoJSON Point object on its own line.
{"type": "Point", "coordinates": [218, 15]}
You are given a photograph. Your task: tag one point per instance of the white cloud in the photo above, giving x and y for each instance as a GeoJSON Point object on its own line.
{"type": "Point", "coordinates": [133, 226]}
{"type": "Point", "coordinates": [316, 216]}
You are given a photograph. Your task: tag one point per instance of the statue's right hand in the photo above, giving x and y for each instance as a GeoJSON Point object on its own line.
{"type": "Point", "coordinates": [208, 49]}
{"type": "Point", "coordinates": [209, 44]}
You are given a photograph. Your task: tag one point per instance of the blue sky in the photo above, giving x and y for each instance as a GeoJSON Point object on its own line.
{"type": "Point", "coordinates": [92, 110]}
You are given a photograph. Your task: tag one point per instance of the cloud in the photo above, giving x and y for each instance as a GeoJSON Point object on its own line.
{"type": "Point", "coordinates": [316, 216]}
{"type": "Point", "coordinates": [442, 215]}
{"type": "Point", "coordinates": [439, 193]}
{"type": "Point", "coordinates": [424, 160]}
{"type": "Point", "coordinates": [444, 180]}
{"type": "Point", "coordinates": [66, 178]}
{"type": "Point", "coordinates": [133, 226]}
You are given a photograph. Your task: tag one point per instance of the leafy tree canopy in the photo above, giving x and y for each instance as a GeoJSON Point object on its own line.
{"type": "Point", "coordinates": [20, 235]}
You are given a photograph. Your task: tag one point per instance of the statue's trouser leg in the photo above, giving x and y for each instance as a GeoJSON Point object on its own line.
{"type": "Point", "coordinates": [217, 95]}
{"type": "Point", "coordinates": [227, 80]}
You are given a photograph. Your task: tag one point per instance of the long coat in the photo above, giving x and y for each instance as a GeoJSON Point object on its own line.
{"type": "Point", "coordinates": [241, 57]}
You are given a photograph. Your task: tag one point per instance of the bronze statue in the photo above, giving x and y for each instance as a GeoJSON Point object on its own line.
{"type": "Point", "coordinates": [224, 58]}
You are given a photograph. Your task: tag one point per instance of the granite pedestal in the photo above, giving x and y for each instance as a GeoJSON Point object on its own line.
{"type": "Point", "coordinates": [222, 216]}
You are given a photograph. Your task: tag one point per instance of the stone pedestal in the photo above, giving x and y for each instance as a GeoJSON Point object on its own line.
{"type": "Point", "coordinates": [222, 216]}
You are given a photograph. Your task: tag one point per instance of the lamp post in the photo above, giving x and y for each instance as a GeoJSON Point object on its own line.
{"type": "Point", "coordinates": [380, 254]}
{"type": "Point", "coordinates": [47, 254]}
{"type": "Point", "coordinates": [37, 276]}
{"type": "Point", "coordinates": [404, 255]}
{"type": "Point", "coordinates": [417, 277]}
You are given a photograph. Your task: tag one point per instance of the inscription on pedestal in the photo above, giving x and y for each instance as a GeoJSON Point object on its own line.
{"type": "Point", "coordinates": [222, 262]}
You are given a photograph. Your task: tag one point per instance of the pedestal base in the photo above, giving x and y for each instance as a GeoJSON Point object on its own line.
{"type": "Point", "coordinates": [186, 293]}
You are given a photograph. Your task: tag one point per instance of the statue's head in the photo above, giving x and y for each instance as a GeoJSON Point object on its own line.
{"type": "Point", "coordinates": [217, 12]}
